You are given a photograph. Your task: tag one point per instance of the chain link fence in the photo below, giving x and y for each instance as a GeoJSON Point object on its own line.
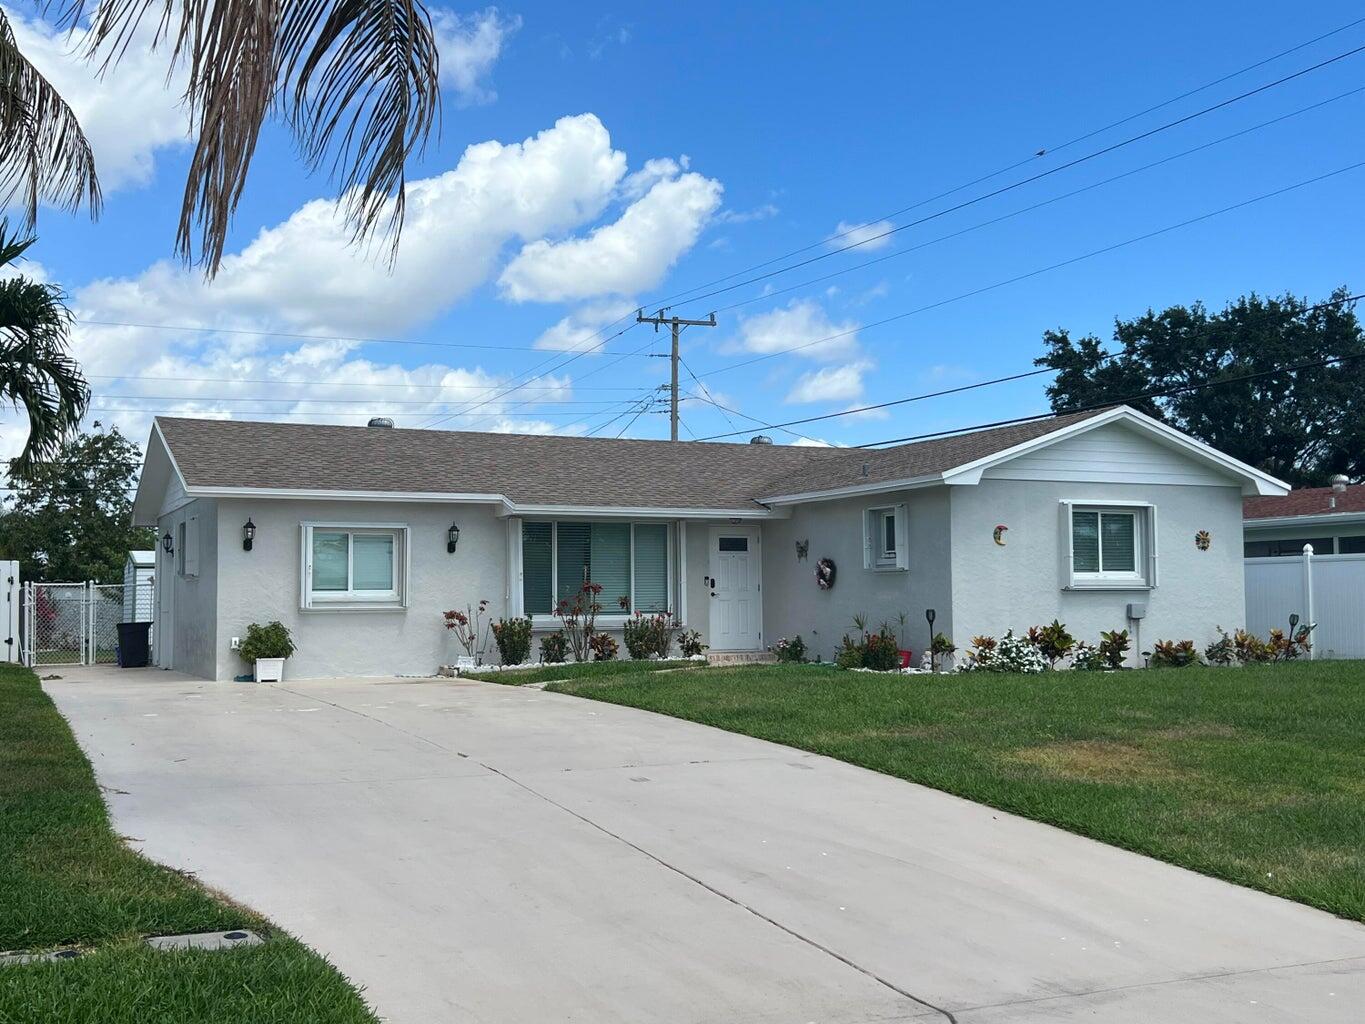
{"type": "Point", "coordinates": [77, 623]}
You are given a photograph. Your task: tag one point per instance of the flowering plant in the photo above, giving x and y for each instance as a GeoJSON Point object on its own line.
{"type": "Point", "coordinates": [579, 617]}
{"type": "Point", "coordinates": [1010, 653]}
{"type": "Point", "coordinates": [793, 650]}
{"type": "Point", "coordinates": [467, 626]}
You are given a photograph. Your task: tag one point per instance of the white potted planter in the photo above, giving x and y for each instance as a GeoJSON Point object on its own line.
{"type": "Point", "coordinates": [269, 670]}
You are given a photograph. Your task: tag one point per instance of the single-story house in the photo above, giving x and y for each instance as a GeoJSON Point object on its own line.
{"type": "Point", "coordinates": [359, 538]}
{"type": "Point", "coordinates": [1332, 519]}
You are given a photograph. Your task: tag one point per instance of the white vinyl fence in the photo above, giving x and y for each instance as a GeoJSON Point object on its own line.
{"type": "Point", "coordinates": [1326, 589]}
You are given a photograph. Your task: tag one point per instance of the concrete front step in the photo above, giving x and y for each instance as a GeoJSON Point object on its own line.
{"type": "Point", "coordinates": [740, 658]}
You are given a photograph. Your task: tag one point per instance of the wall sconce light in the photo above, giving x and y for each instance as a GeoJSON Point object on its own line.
{"type": "Point", "coordinates": [168, 543]}
{"type": "Point", "coordinates": [452, 538]}
{"type": "Point", "coordinates": [248, 534]}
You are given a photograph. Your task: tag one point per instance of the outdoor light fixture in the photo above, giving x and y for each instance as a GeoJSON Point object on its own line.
{"type": "Point", "coordinates": [452, 538]}
{"type": "Point", "coordinates": [248, 534]}
{"type": "Point", "coordinates": [168, 544]}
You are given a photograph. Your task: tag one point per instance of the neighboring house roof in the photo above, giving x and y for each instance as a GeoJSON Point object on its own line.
{"type": "Point", "coordinates": [536, 472]}
{"type": "Point", "coordinates": [142, 559]}
{"type": "Point", "coordinates": [1305, 502]}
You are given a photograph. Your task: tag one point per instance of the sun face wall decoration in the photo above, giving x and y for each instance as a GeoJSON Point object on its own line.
{"type": "Point", "coordinates": [1203, 539]}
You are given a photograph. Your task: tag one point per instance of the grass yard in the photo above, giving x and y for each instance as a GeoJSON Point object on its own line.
{"type": "Point", "coordinates": [66, 879]}
{"type": "Point", "coordinates": [588, 670]}
{"type": "Point", "coordinates": [1254, 775]}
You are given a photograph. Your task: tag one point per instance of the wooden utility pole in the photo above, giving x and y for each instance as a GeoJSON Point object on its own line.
{"type": "Point", "coordinates": [677, 324]}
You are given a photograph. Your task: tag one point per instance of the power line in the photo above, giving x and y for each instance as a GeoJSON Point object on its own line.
{"type": "Point", "coordinates": [1048, 151]}
{"type": "Point", "coordinates": [767, 295]}
{"type": "Point", "coordinates": [707, 392]}
{"type": "Point", "coordinates": [1039, 271]}
{"type": "Point", "coordinates": [427, 402]}
{"type": "Point", "coordinates": [339, 383]}
{"type": "Point", "coordinates": [1026, 181]}
{"type": "Point", "coordinates": [1159, 393]}
{"type": "Point", "coordinates": [752, 419]}
{"type": "Point", "coordinates": [985, 383]}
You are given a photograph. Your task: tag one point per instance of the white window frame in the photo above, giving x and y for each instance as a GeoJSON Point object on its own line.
{"type": "Point", "coordinates": [608, 617]}
{"type": "Point", "coordinates": [1143, 574]}
{"type": "Point", "coordinates": [876, 557]}
{"type": "Point", "coordinates": [355, 600]}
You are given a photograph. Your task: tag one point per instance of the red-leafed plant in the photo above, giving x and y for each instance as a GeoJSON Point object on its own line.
{"type": "Point", "coordinates": [467, 626]}
{"type": "Point", "coordinates": [579, 616]}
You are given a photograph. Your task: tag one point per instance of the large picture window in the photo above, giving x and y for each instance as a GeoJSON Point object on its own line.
{"type": "Point", "coordinates": [353, 565]}
{"type": "Point", "coordinates": [629, 560]}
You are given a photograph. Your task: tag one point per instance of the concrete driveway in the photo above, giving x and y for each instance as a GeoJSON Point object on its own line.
{"type": "Point", "coordinates": [474, 852]}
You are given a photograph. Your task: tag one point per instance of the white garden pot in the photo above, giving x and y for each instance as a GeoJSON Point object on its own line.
{"type": "Point", "coordinates": [269, 670]}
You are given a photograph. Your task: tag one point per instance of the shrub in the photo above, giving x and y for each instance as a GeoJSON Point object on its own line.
{"type": "Point", "coordinates": [603, 647]}
{"type": "Point", "coordinates": [1053, 642]}
{"type": "Point", "coordinates": [554, 647]}
{"type": "Point", "coordinates": [1113, 647]}
{"type": "Point", "coordinates": [513, 637]}
{"type": "Point", "coordinates": [940, 646]}
{"type": "Point", "coordinates": [690, 643]}
{"type": "Point", "coordinates": [850, 654]}
{"type": "Point", "coordinates": [793, 650]}
{"type": "Point", "coordinates": [578, 616]}
{"type": "Point", "coordinates": [1287, 647]}
{"type": "Point", "coordinates": [1222, 651]}
{"type": "Point", "coordinates": [880, 651]}
{"type": "Point", "coordinates": [1012, 654]}
{"type": "Point", "coordinates": [269, 641]}
{"type": "Point", "coordinates": [650, 636]}
{"type": "Point", "coordinates": [1174, 654]}
{"type": "Point", "coordinates": [1250, 648]}
{"type": "Point", "coordinates": [1086, 658]}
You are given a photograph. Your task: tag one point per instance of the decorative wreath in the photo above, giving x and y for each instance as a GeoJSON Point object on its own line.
{"type": "Point", "coordinates": [824, 573]}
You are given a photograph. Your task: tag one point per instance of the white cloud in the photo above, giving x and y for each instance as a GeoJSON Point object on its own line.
{"type": "Point", "coordinates": [763, 212]}
{"type": "Point", "coordinates": [581, 330]}
{"type": "Point", "coordinates": [469, 46]}
{"type": "Point", "coordinates": [811, 442]}
{"type": "Point", "coordinates": [129, 113]}
{"type": "Point", "coordinates": [802, 325]}
{"type": "Point", "coordinates": [622, 258]}
{"type": "Point", "coordinates": [865, 236]}
{"type": "Point", "coordinates": [654, 171]}
{"type": "Point", "coordinates": [830, 383]}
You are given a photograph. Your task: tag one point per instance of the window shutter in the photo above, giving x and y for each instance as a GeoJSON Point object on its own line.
{"type": "Point", "coordinates": [1151, 545]}
{"type": "Point", "coordinates": [902, 537]}
{"type": "Point", "coordinates": [537, 548]}
{"type": "Point", "coordinates": [192, 546]}
{"type": "Point", "coordinates": [651, 568]}
{"type": "Point", "coordinates": [869, 539]}
{"type": "Point", "coordinates": [1064, 545]}
{"type": "Point", "coordinates": [608, 562]}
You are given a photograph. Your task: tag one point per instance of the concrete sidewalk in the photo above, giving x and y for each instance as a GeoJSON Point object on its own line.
{"type": "Point", "coordinates": [468, 851]}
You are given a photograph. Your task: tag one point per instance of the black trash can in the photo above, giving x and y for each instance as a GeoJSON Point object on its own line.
{"type": "Point", "coordinates": [133, 646]}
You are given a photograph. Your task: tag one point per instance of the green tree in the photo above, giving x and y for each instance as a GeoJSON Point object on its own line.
{"type": "Point", "coordinates": [355, 81]}
{"type": "Point", "coordinates": [1302, 426]}
{"type": "Point", "coordinates": [35, 369]}
{"type": "Point", "coordinates": [69, 520]}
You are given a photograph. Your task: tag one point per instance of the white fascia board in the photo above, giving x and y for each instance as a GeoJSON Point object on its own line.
{"type": "Point", "coordinates": [1314, 519]}
{"type": "Point", "coordinates": [1254, 481]}
{"type": "Point", "coordinates": [146, 505]}
{"type": "Point", "coordinates": [643, 512]}
{"type": "Point", "coordinates": [853, 490]}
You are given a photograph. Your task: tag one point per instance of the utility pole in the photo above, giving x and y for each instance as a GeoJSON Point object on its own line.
{"type": "Point", "coordinates": [677, 324]}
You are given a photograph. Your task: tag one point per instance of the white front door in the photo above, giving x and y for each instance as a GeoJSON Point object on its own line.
{"type": "Point", "coordinates": [733, 585]}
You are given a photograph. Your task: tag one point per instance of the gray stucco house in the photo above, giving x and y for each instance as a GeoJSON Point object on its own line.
{"type": "Point", "coordinates": [1081, 517]}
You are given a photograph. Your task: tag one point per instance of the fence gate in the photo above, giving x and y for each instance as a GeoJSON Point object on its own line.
{"type": "Point", "coordinates": [77, 623]}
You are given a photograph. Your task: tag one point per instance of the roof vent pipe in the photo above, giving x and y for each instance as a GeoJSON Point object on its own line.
{"type": "Point", "coordinates": [1339, 483]}
{"type": "Point", "coordinates": [760, 439]}
{"type": "Point", "coordinates": [380, 421]}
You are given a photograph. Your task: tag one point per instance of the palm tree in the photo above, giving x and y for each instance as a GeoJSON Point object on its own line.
{"type": "Point", "coordinates": [355, 80]}
{"type": "Point", "coordinates": [35, 369]}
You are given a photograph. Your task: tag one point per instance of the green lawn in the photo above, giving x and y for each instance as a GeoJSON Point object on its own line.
{"type": "Point", "coordinates": [65, 878]}
{"type": "Point", "coordinates": [1255, 775]}
{"type": "Point", "coordinates": [587, 670]}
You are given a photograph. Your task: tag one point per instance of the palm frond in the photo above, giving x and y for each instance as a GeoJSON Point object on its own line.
{"type": "Point", "coordinates": [44, 155]}
{"type": "Point", "coordinates": [36, 370]}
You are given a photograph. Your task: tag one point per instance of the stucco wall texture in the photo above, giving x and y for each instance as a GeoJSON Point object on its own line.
{"type": "Point", "coordinates": [1020, 585]}
{"type": "Point", "coordinates": [195, 598]}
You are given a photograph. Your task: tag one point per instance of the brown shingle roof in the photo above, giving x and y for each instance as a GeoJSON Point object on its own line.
{"type": "Point", "coordinates": [1306, 501]}
{"type": "Point", "coordinates": [537, 469]}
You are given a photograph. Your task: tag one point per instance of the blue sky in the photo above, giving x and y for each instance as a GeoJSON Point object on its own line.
{"type": "Point", "coordinates": [621, 155]}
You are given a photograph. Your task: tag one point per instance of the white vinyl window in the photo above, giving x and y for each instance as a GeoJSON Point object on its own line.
{"type": "Point", "coordinates": [885, 539]}
{"type": "Point", "coordinates": [1110, 545]}
{"type": "Point", "coordinates": [354, 565]}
